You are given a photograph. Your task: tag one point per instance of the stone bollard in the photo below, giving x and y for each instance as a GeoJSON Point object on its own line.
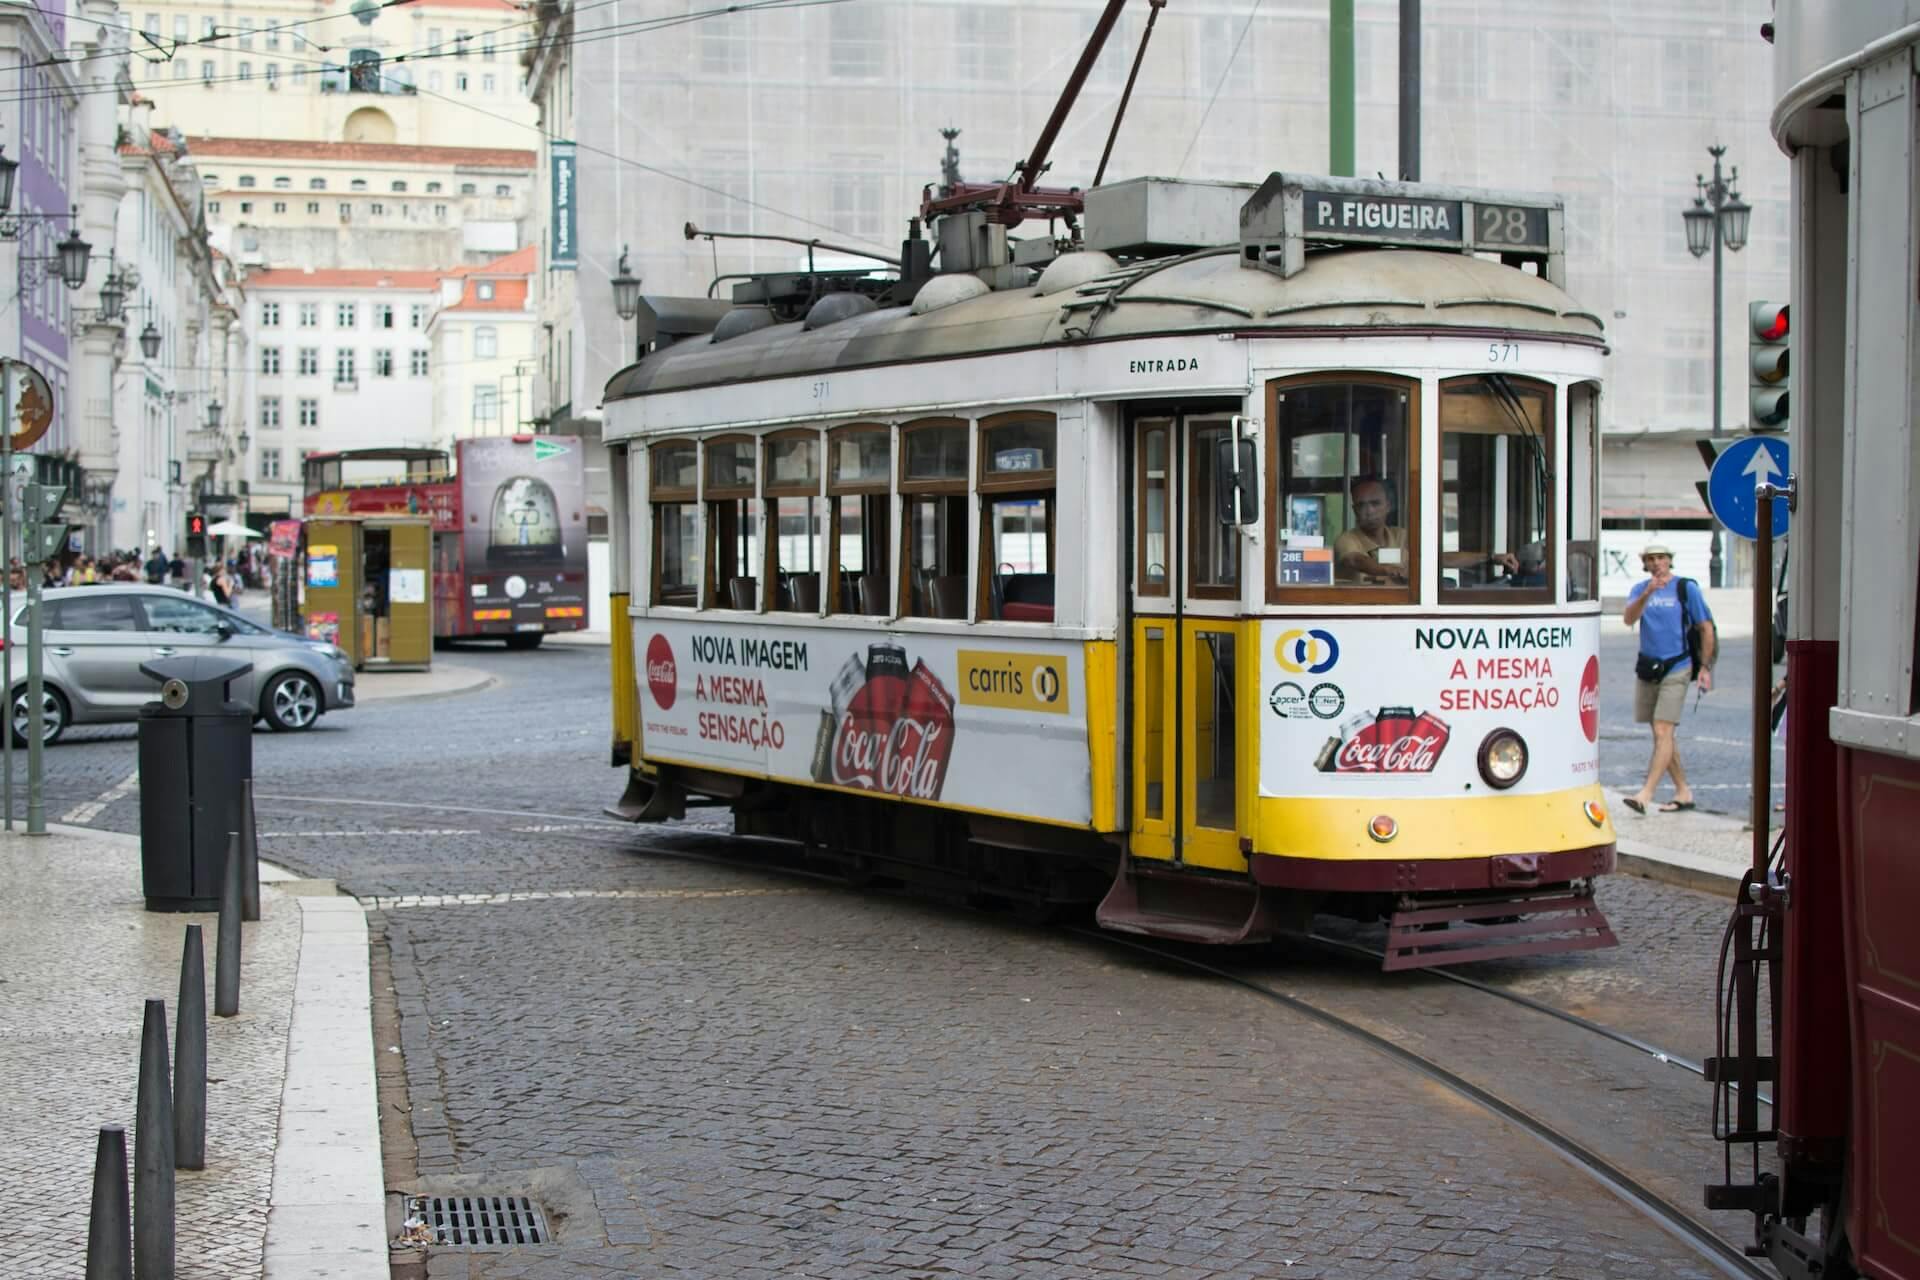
{"type": "Point", "coordinates": [226, 964]}
{"type": "Point", "coordinates": [109, 1223]}
{"type": "Point", "coordinates": [249, 855]}
{"type": "Point", "coordinates": [190, 1058]}
{"type": "Point", "coordinates": [153, 1226]}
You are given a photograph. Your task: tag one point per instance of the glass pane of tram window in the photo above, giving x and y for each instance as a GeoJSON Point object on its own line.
{"type": "Point", "coordinates": [1342, 477]}
{"type": "Point", "coordinates": [1153, 723]}
{"type": "Point", "coordinates": [1021, 537]}
{"type": "Point", "coordinates": [673, 467]}
{"type": "Point", "coordinates": [936, 453]}
{"type": "Point", "coordinates": [1017, 449]}
{"type": "Point", "coordinates": [937, 556]}
{"type": "Point", "coordinates": [794, 461]}
{"type": "Point", "coordinates": [1154, 479]}
{"type": "Point", "coordinates": [1495, 476]}
{"type": "Point", "coordinates": [736, 551]}
{"type": "Point", "coordinates": [1583, 504]}
{"type": "Point", "coordinates": [862, 458]}
{"type": "Point", "coordinates": [676, 537]}
{"type": "Point", "coordinates": [1213, 548]}
{"type": "Point", "coordinates": [1213, 729]}
{"type": "Point", "coordinates": [797, 548]}
{"type": "Point", "coordinates": [730, 464]}
{"type": "Point", "coordinates": [865, 585]}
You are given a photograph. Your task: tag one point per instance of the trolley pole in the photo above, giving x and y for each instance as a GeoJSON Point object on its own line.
{"type": "Point", "coordinates": [1340, 89]}
{"type": "Point", "coordinates": [1409, 90]}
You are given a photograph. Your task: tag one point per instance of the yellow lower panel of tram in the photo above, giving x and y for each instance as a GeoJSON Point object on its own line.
{"type": "Point", "coordinates": [1480, 825]}
{"type": "Point", "coordinates": [1194, 740]}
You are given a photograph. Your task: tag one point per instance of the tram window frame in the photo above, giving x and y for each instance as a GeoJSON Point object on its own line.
{"type": "Point", "coordinates": [873, 494]}
{"type": "Point", "coordinates": [1496, 590]}
{"type": "Point", "coordinates": [779, 492]}
{"type": "Point", "coordinates": [943, 497]}
{"type": "Point", "coordinates": [1006, 488]}
{"type": "Point", "coordinates": [1410, 495]}
{"type": "Point", "coordinates": [1145, 585]}
{"type": "Point", "coordinates": [733, 516]}
{"type": "Point", "coordinates": [1206, 533]}
{"type": "Point", "coordinates": [666, 503]}
{"type": "Point", "coordinates": [1581, 518]}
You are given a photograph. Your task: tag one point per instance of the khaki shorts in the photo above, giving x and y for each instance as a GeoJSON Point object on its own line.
{"type": "Point", "coordinates": [1663, 701]}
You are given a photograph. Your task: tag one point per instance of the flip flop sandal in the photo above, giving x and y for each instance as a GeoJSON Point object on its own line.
{"type": "Point", "coordinates": [1635, 805]}
{"type": "Point", "coordinates": [1676, 806]}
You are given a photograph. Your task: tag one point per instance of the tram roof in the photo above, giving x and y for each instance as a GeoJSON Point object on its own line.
{"type": "Point", "coordinates": [1376, 290]}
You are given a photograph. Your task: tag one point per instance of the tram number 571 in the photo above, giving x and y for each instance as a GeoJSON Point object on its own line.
{"type": "Point", "coordinates": [1503, 353]}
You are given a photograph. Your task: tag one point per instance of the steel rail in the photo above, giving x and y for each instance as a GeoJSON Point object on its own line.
{"type": "Point", "coordinates": [1725, 1258]}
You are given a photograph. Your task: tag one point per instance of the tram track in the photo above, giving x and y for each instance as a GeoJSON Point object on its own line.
{"type": "Point", "coordinates": [1707, 1244]}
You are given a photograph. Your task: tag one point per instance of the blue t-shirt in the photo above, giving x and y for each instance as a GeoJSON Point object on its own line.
{"type": "Point", "coordinates": [1662, 634]}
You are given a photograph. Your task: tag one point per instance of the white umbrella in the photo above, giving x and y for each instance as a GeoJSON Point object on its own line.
{"type": "Point", "coordinates": [231, 529]}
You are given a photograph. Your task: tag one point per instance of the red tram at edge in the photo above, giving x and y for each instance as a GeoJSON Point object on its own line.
{"type": "Point", "coordinates": [509, 527]}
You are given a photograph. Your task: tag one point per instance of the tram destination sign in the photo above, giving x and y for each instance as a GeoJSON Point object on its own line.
{"type": "Point", "coordinates": [1399, 219]}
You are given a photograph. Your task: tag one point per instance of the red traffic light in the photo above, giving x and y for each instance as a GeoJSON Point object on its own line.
{"type": "Point", "coordinates": [1769, 320]}
{"type": "Point", "coordinates": [196, 525]}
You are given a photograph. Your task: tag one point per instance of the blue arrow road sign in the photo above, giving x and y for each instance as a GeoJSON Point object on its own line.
{"type": "Point", "coordinates": [1743, 465]}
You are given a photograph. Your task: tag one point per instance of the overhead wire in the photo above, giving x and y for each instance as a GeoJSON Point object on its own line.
{"type": "Point", "coordinates": [1225, 71]}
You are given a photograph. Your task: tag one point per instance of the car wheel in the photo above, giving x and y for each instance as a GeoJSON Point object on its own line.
{"type": "Point", "coordinates": [527, 640]}
{"type": "Point", "coordinates": [53, 715]}
{"type": "Point", "coordinates": [292, 702]}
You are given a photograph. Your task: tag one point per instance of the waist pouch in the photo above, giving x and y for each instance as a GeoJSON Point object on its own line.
{"type": "Point", "coordinates": [1654, 670]}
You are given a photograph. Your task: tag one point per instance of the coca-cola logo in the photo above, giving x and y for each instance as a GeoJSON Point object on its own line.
{"type": "Point", "coordinates": [896, 734]}
{"type": "Point", "coordinates": [1590, 700]}
{"type": "Point", "coordinates": [1394, 744]}
{"type": "Point", "coordinates": [663, 674]}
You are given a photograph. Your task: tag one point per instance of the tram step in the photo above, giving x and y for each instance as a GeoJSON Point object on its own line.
{"type": "Point", "coordinates": [1452, 932]}
{"type": "Point", "coordinates": [1189, 908]}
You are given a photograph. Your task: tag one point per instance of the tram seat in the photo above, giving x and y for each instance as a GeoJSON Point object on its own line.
{"type": "Point", "coordinates": [802, 593]}
{"type": "Point", "coordinates": [948, 594]}
{"type": "Point", "coordinates": [743, 593]}
{"type": "Point", "coordinates": [873, 594]}
{"type": "Point", "coordinates": [1027, 597]}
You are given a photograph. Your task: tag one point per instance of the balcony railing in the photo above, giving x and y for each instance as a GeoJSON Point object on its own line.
{"type": "Point", "coordinates": [205, 446]}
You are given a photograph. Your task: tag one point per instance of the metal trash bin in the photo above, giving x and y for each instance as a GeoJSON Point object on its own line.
{"type": "Point", "coordinates": [196, 749]}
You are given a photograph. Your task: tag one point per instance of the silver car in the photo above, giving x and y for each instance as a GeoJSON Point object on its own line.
{"type": "Point", "coordinates": [97, 637]}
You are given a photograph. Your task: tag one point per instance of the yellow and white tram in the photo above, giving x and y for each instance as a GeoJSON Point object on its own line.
{"type": "Point", "coordinates": [1235, 562]}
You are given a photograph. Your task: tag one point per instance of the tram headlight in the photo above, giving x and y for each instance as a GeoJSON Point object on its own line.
{"type": "Point", "coordinates": [1503, 759]}
{"type": "Point", "coordinates": [1383, 828]}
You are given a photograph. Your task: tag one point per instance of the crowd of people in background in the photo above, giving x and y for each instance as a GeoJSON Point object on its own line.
{"type": "Point", "coordinates": [224, 580]}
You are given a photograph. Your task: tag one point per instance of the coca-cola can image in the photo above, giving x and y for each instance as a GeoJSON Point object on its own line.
{"type": "Point", "coordinates": [886, 681]}
{"type": "Point", "coordinates": [1324, 761]}
{"type": "Point", "coordinates": [852, 674]}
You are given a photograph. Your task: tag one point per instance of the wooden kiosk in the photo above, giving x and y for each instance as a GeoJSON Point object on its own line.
{"type": "Point", "coordinates": [369, 587]}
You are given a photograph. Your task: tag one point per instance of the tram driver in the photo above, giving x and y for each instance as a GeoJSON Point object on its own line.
{"type": "Point", "coordinates": [1375, 552]}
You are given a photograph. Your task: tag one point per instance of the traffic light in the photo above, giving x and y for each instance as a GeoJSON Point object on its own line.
{"type": "Point", "coordinates": [196, 535]}
{"type": "Point", "coordinates": [1768, 353]}
{"type": "Point", "coordinates": [42, 535]}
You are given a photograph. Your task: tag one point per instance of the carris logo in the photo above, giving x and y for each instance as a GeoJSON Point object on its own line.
{"type": "Point", "coordinates": [663, 675]}
{"type": "Point", "coordinates": [1307, 652]}
{"type": "Point", "coordinates": [1590, 700]}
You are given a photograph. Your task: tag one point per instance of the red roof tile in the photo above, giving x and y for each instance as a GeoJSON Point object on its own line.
{"type": "Point", "coordinates": [364, 152]}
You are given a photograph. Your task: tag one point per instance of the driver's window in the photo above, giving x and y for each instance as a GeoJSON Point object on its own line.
{"type": "Point", "coordinates": [180, 616]}
{"type": "Point", "coordinates": [1346, 510]}
{"type": "Point", "coordinates": [1496, 488]}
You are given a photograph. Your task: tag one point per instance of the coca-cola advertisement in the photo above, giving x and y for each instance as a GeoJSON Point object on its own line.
{"type": "Point", "coordinates": [1394, 741]}
{"type": "Point", "coordinates": [890, 729]}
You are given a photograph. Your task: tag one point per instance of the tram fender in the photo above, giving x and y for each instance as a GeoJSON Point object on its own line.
{"type": "Point", "coordinates": [648, 798]}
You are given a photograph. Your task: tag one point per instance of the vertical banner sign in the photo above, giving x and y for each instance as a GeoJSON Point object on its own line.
{"type": "Point", "coordinates": [564, 248]}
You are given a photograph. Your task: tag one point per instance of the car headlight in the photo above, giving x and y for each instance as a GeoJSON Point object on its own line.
{"type": "Point", "coordinates": [1503, 758]}
{"type": "Point", "coordinates": [333, 651]}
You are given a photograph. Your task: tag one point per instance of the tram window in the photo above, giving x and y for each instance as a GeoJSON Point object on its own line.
{"type": "Point", "coordinates": [859, 485]}
{"type": "Point", "coordinates": [1016, 519]}
{"type": "Point", "coordinates": [1496, 487]}
{"type": "Point", "coordinates": [733, 524]}
{"type": "Point", "coordinates": [1583, 492]}
{"type": "Point", "coordinates": [1155, 481]}
{"type": "Point", "coordinates": [1347, 495]}
{"type": "Point", "coordinates": [676, 523]}
{"type": "Point", "coordinates": [793, 481]}
{"type": "Point", "coordinates": [934, 474]}
{"type": "Point", "coordinates": [1213, 548]}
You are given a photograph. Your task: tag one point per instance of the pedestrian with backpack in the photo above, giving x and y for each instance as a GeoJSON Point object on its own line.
{"type": "Point", "coordinates": [1677, 647]}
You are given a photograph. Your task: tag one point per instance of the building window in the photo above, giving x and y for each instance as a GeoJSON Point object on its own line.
{"type": "Point", "coordinates": [313, 206]}
{"type": "Point", "coordinates": [489, 84]}
{"type": "Point", "coordinates": [246, 71]}
{"type": "Point", "coordinates": [346, 211]}
{"type": "Point", "coordinates": [309, 315]}
{"type": "Point", "coordinates": [269, 413]}
{"type": "Point", "coordinates": [724, 46]}
{"type": "Point", "coordinates": [857, 47]}
{"type": "Point", "coordinates": [433, 188]}
{"type": "Point", "coordinates": [309, 361]}
{"type": "Point", "coordinates": [182, 25]}
{"type": "Point", "coordinates": [207, 28]}
{"type": "Point", "coordinates": [279, 206]}
{"type": "Point", "coordinates": [440, 213]}
{"type": "Point", "coordinates": [182, 68]}
{"type": "Point", "coordinates": [982, 41]}
{"type": "Point", "coordinates": [206, 72]}
{"type": "Point", "coordinates": [246, 33]}
{"type": "Point", "coordinates": [460, 39]}
{"type": "Point", "coordinates": [486, 406]}
{"type": "Point", "coordinates": [358, 184]}
{"type": "Point", "coordinates": [417, 363]}
{"type": "Point", "coordinates": [343, 365]}
{"type": "Point", "coordinates": [460, 81]}
{"type": "Point", "coordinates": [283, 183]}
{"type": "Point", "coordinates": [486, 48]}
{"type": "Point", "coordinates": [383, 315]}
{"type": "Point", "coordinates": [247, 181]}
{"type": "Point", "coordinates": [469, 189]}
{"type": "Point", "coordinates": [484, 290]}
{"type": "Point", "coordinates": [316, 184]}
{"type": "Point", "coordinates": [433, 39]}
{"type": "Point", "coordinates": [503, 189]}
{"type": "Point", "coordinates": [400, 188]}
{"type": "Point", "coordinates": [270, 314]}
{"type": "Point", "coordinates": [213, 206]}
{"type": "Point", "coordinates": [273, 37]}
{"type": "Point", "coordinates": [270, 360]}
{"type": "Point", "coordinates": [273, 75]}
{"type": "Point", "coordinates": [433, 82]}
{"type": "Point", "coordinates": [486, 342]}
{"type": "Point", "coordinates": [299, 74]}
{"type": "Point", "coordinates": [858, 198]}
{"type": "Point", "coordinates": [376, 210]}
{"type": "Point", "coordinates": [418, 316]}
{"type": "Point", "coordinates": [383, 363]}
{"type": "Point", "coordinates": [309, 413]}
{"type": "Point", "coordinates": [346, 315]}
{"type": "Point", "coordinates": [246, 206]}
{"type": "Point", "coordinates": [269, 464]}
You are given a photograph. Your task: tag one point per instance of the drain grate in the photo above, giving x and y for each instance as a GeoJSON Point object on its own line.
{"type": "Point", "coordinates": [477, 1221]}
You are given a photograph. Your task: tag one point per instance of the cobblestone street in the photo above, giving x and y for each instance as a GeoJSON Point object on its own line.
{"type": "Point", "coordinates": [703, 1069]}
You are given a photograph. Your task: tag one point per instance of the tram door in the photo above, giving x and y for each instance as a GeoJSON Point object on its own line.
{"type": "Point", "coordinates": [1185, 721]}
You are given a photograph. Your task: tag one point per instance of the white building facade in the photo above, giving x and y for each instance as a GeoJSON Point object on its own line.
{"type": "Point", "coordinates": [484, 357]}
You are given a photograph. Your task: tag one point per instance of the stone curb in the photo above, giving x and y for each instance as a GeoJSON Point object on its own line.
{"type": "Point", "coordinates": [1675, 867]}
{"type": "Point", "coordinates": [475, 682]}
